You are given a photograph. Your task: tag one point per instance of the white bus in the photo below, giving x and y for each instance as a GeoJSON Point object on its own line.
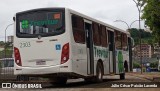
{"type": "Point", "coordinates": [60, 44]}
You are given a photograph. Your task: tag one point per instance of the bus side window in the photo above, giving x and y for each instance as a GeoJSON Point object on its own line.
{"type": "Point", "coordinates": [78, 29]}
{"type": "Point", "coordinates": [118, 40]}
{"type": "Point", "coordinates": [103, 36]}
{"type": "Point", "coordinates": [96, 36]}
{"type": "Point", "coordinates": [124, 42]}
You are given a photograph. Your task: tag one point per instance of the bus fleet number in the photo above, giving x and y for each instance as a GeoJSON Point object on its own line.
{"type": "Point", "coordinates": [25, 44]}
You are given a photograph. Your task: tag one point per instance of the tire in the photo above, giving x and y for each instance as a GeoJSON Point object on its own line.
{"type": "Point", "coordinates": [99, 73]}
{"type": "Point", "coordinates": [122, 76]}
{"type": "Point", "coordinates": [59, 81]}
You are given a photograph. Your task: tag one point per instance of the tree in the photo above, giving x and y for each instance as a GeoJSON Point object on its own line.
{"type": "Point", "coordinates": [146, 36]}
{"type": "Point", "coordinates": [151, 14]}
{"type": "Point", "coordinates": [2, 43]}
{"type": "Point", "coordinates": [154, 64]}
{"type": "Point", "coordinates": [136, 65]}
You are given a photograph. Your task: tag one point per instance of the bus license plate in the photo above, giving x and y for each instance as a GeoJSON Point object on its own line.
{"type": "Point", "coordinates": [40, 62]}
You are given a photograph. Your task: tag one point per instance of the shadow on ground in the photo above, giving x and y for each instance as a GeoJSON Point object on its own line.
{"type": "Point", "coordinates": [82, 84]}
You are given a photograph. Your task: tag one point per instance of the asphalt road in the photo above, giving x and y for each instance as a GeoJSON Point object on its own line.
{"type": "Point", "coordinates": [80, 85]}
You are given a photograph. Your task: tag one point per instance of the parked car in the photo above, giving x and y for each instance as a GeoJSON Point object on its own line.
{"type": "Point", "coordinates": [7, 69]}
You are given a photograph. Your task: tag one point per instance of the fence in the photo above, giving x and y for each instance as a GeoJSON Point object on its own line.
{"type": "Point", "coordinates": [6, 69]}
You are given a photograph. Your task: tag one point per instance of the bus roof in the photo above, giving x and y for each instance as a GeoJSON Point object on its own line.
{"type": "Point", "coordinates": [110, 27]}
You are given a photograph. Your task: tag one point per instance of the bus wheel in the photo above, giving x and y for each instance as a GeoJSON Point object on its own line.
{"type": "Point", "coordinates": [99, 72]}
{"type": "Point", "coordinates": [122, 76]}
{"type": "Point", "coordinates": [59, 81]}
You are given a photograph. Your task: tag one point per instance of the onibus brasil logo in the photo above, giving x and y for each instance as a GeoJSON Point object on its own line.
{"type": "Point", "coordinates": [21, 85]}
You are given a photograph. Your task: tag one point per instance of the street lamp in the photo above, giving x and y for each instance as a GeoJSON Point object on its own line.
{"type": "Point", "coordinates": [5, 37]}
{"type": "Point", "coordinates": [129, 27]}
{"type": "Point", "coordinates": [139, 5]}
{"type": "Point", "coordinates": [123, 22]}
{"type": "Point", "coordinates": [133, 22]}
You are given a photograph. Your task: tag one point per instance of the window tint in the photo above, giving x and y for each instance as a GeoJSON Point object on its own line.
{"type": "Point", "coordinates": [103, 36]}
{"type": "Point", "coordinates": [96, 34]}
{"type": "Point", "coordinates": [118, 40]}
{"type": "Point", "coordinates": [78, 29]}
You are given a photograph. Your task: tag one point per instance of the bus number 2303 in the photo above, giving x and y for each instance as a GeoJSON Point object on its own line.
{"type": "Point", "coordinates": [25, 44]}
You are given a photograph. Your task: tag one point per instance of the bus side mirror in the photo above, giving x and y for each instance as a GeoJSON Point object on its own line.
{"type": "Point", "coordinates": [14, 18]}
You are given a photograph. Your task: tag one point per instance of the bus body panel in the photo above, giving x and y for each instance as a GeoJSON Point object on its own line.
{"type": "Point", "coordinates": [40, 50]}
{"type": "Point", "coordinates": [126, 58]}
{"type": "Point", "coordinates": [78, 54]}
{"type": "Point", "coordinates": [79, 59]}
{"type": "Point", "coordinates": [101, 53]}
{"type": "Point", "coordinates": [121, 56]}
{"type": "Point", "coordinates": [119, 62]}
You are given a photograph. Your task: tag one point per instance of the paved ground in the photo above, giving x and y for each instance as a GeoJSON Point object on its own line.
{"type": "Point", "coordinates": [152, 76]}
{"type": "Point", "coordinates": [80, 85]}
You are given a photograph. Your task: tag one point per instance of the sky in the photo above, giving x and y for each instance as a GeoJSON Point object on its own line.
{"type": "Point", "coordinates": [107, 11]}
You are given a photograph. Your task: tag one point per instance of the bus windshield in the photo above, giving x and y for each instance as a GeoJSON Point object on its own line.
{"type": "Point", "coordinates": [43, 23]}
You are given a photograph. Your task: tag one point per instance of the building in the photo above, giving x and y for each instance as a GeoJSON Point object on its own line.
{"type": "Point", "coordinates": [156, 51]}
{"type": "Point", "coordinates": [156, 48]}
{"type": "Point", "coordinates": [10, 39]}
{"type": "Point", "coordinates": [146, 50]}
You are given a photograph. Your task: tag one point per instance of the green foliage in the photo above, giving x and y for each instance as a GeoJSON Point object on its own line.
{"type": "Point", "coordinates": [146, 37]}
{"type": "Point", "coordinates": [2, 43]}
{"type": "Point", "coordinates": [140, 2]}
{"type": "Point", "coordinates": [136, 65]}
{"type": "Point", "coordinates": [151, 13]}
{"type": "Point", "coordinates": [8, 53]}
{"type": "Point", "coordinates": [9, 49]}
{"type": "Point", "coordinates": [154, 64]}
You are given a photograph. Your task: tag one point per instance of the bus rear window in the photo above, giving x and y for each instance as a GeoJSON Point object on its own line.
{"type": "Point", "coordinates": [43, 23]}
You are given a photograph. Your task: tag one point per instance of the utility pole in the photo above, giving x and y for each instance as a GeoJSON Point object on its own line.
{"type": "Point", "coordinates": [139, 5]}
{"type": "Point", "coordinates": [6, 39]}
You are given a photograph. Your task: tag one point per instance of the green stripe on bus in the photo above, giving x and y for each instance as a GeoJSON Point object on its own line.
{"type": "Point", "coordinates": [120, 61]}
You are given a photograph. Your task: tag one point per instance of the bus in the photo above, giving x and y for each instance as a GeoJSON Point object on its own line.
{"type": "Point", "coordinates": [60, 44]}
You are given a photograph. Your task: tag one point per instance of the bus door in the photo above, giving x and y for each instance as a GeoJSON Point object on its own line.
{"type": "Point", "coordinates": [112, 62]}
{"type": "Point", "coordinates": [130, 53]}
{"type": "Point", "coordinates": [89, 44]}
